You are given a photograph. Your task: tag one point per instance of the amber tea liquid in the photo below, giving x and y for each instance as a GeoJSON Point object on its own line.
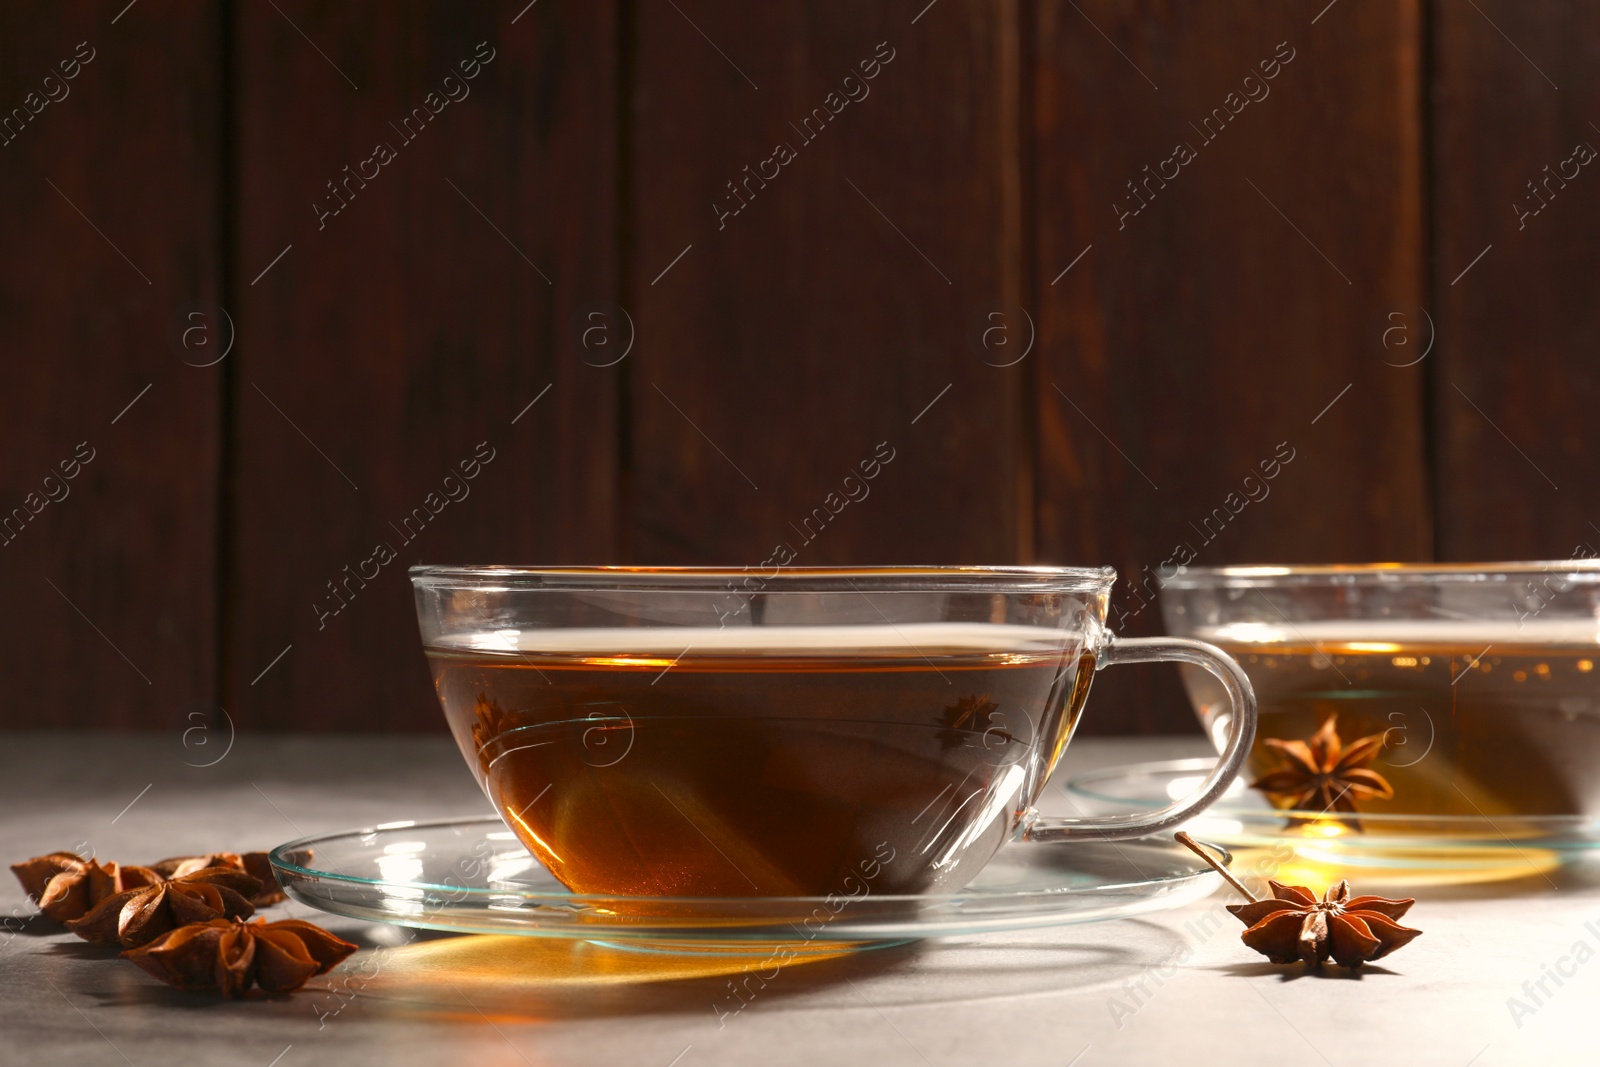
{"type": "Point", "coordinates": [1479, 719]}
{"type": "Point", "coordinates": [781, 761]}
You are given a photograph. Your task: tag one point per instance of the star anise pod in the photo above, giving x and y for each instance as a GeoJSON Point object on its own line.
{"type": "Point", "coordinates": [1293, 924]}
{"type": "Point", "coordinates": [1321, 773]}
{"type": "Point", "coordinates": [66, 886]}
{"type": "Point", "coordinates": [492, 721]}
{"type": "Point", "coordinates": [230, 955]}
{"type": "Point", "coordinates": [967, 716]}
{"type": "Point", "coordinates": [139, 916]}
{"type": "Point", "coordinates": [255, 864]}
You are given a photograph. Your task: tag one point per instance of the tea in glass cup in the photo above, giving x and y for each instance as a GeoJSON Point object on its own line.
{"type": "Point", "coordinates": [645, 733]}
{"type": "Point", "coordinates": [1480, 679]}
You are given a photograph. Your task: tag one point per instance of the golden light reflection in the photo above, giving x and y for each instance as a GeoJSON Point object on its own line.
{"type": "Point", "coordinates": [1317, 862]}
{"type": "Point", "coordinates": [473, 978]}
{"type": "Point", "coordinates": [517, 818]}
{"type": "Point", "coordinates": [629, 661]}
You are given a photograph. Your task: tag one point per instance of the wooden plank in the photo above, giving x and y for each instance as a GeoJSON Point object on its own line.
{"type": "Point", "coordinates": [797, 325]}
{"type": "Point", "coordinates": [423, 300]}
{"type": "Point", "coordinates": [1516, 378]}
{"type": "Point", "coordinates": [1232, 312]}
{"type": "Point", "coordinates": [110, 441]}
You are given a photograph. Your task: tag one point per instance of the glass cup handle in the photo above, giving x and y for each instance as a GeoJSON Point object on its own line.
{"type": "Point", "coordinates": [1242, 700]}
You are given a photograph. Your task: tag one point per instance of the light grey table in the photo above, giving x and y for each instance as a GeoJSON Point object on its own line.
{"type": "Point", "coordinates": [1162, 988]}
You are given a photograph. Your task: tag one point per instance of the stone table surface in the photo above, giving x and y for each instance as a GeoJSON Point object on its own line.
{"type": "Point", "coordinates": [1506, 974]}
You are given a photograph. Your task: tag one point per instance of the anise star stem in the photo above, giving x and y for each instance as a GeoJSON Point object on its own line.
{"type": "Point", "coordinates": [1293, 924]}
{"type": "Point", "coordinates": [1194, 846]}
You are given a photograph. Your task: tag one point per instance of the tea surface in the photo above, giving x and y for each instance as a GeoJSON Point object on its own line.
{"type": "Point", "coordinates": [781, 761]}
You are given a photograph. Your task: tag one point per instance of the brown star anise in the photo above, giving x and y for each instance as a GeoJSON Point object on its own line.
{"type": "Point", "coordinates": [66, 886]}
{"type": "Point", "coordinates": [1293, 924]}
{"type": "Point", "coordinates": [230, 955]}
{"type": "Point", "coordinates": [967, 716]}
{"type": "Point", "coordinates": [255, 864]}
{"type": "Point", "coordinates": [140, 915]}
{"type": "Point", "coordinates": [1321, 773]}
{"type": "Point", "coordinates": [492, 721]}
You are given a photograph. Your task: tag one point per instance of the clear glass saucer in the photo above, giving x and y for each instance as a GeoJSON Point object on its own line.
{"type": "Point", "coordinates": [1388, 847]}
{"type": "Point", "coordinates": [472, 875]}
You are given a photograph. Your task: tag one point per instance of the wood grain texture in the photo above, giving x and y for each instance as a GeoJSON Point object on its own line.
{"type": "Point", "coordinates": [1221, 309]}
{"type": "Point", "coordinates": [110, 181]}
{"type": "Point", "coordinates": [420, 319]}
{"type": "Point", "coordinates": [838, 306]}
{"type": "Point", "coordinates": [1517, 379]}
{"type": "Point", "coordinates": [946, 264]}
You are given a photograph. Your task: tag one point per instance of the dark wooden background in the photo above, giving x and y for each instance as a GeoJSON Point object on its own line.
{"type": "Point", "coordinates": [1342, 269]}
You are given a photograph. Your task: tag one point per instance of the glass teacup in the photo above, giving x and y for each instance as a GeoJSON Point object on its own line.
{"type": "Point", "coordinates": [701, 732]}
{"type": "Point", "coordinates": [1481, 680]}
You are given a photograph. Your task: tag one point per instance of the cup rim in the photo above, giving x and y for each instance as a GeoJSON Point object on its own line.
{"type": "Point", "coordinates": [1375, 573]}
{"type": "Point", "coordinates": [768, 579]}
